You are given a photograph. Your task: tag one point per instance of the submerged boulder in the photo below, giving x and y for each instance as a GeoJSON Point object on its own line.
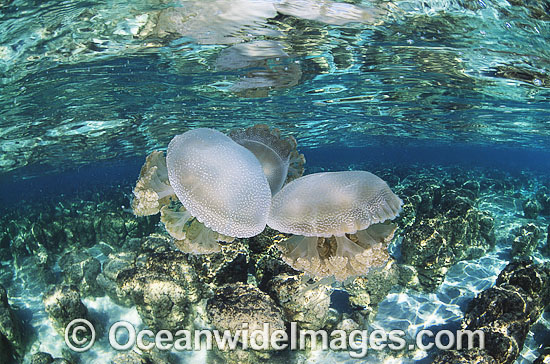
{"type": "Point", "coordinates": [366, 292]}
{"type": "Point", "coordinates": [229, 265]}
{"type": "Point", "coordinates": [63, 305]}
{"type": "Point", "coordinates": [81, 269]}
{"type": "Point", "coordinates": [543, 197]}
{"type": "Point", "coordinates": [265, 257]}
{"type": "Point", "coordinates": [308, 305]}
{"type": "Point", "coordinates": [526, 240]}
{"type": "Point", "coordinates": [441, 226]}
{"type": "Point", "coordinates": [52, 227]}
{"type": "Point", "coordinates": [531, 208]}
{"type": "Point", "coordinates": [41, 358]}
{"type": "Point", "coordinates": [476, 356]}
{"type": "Point", "coordinates": [164, 287]}
{"type": "Point", "coordinates": [46, 358]}
{"type": "Point", "coordinates": [239, 306]}
{"type": "Point", "coordinates": [505, 313]}
{"type": "Point", "coordinates": [11, 331]}
{"type": "Point", "coordinates": [107, 279]}
{"type": "Point", "coordinates": [131, 357]}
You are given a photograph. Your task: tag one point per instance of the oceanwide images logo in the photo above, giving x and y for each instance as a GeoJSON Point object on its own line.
{"type": "Point", "coordinates": [80, 336]}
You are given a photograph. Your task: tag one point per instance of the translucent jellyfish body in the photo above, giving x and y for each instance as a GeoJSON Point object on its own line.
{"type": "Point", "coordinates": [278, 156]}
{"type": "Point", "coordinates": [152, 189]}
{"type": "Point", "coordinates": [211, 187]}
{"type": "Point", "coordinates": [219, 182]}
{"type": "Point", "coordinates": [339, 220]}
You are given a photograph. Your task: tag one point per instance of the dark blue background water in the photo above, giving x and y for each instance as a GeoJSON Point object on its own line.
{"type": "Point", "coordinates": [14, 188]}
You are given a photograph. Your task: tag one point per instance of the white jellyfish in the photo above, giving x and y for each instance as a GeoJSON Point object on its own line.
{"type": "Point", "coordinates": [278, 156]}
{"type": "Point", "coordinates": [339, 220]}
{"type": "Point", "coordinates": [208, 189]}
{"type": "Point", "coordinates": [219, 183]}
{"type": "Point", "coordinates": [152, 189]}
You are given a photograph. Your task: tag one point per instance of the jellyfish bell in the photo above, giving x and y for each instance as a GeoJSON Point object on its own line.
{"type": "Point", "coordinates": [219, 182]}
{"type": "Point", "coordinates": [208, 189]}
{"type": "Point", "coordinates": [340, 222]}
{"type": "Point", "coordinates": [278, 156]}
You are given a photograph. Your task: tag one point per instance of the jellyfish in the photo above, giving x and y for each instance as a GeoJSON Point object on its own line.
{"type": "Point", "coordinates": [278, 156]}
{"type": "Point", "coordinates": [189, 234]}
{"type": "Point", "coordinates": [152, 189]}
{"type": "Point", "coordinates": [220, 184]}
{"type": "Point", "coordinates": [340, 222]}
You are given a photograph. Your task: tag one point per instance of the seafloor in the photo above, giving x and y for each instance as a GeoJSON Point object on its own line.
{"type": "Point", "coordinates": [87, 256]}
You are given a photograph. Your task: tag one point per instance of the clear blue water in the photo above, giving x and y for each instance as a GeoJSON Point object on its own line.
{"type": "Point", "coordinates": [89, 88]}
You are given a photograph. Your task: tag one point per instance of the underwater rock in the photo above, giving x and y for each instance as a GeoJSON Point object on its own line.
{"type": "Point", "coordinates": [526, 240]}
{"type": "Point", "coordinates": [131, 357]}
{"type": "Point", "coordinates": [531, 278]}
{"type": "Point", "coordinates": [238, 304]}
{"type": "Point", "coordinates": [134, 251]}
{"type": "Point", "coordinates": [114, 228]}
{"type": "Point", "coordinates": [5, 240]}
{"type": "Point", "coordinates": [52, 227]}
{"type": "Point", "coordinates": [347, 324]}
{"type": "Point", "coordinates": [473, 186]}
{"type": "Point", "coordinates": [154, 243]}
{"type": "Point", "coordinates": [446, 228]}
{"type": "Point", "coordinates": [11, 331]}
{"type": "Point", "coordinates": [41, 358]}
{"type": "Point", "coordinates": [476, 356]}
{"type": "Point", "coordinates": [164, 287]}
{"type": "Point", "coordinates": [531, 208]}
{"type": "Point", "coordinates": [46, 358]}
{"type": "Point", "coordinates": [265, 257]}
{"type": "Point", "coordinates": [42, 263]}
{"type": "Point", "coordinates": [425, 250]}
{"type": "Point", "coordinates": [63, 305]}
{"type": "Point", "coordinates": [230, 265]}
{"type": "Point", "coordinates": [81, 269]}
{"type": "Point", "coordinates": [543, 197]}
{"type": "Point", "coordinates": [306, 304]}
{"type": "Point", "coordinates": [107, 279]}
{"type": "Point", "coordinates": [367, 291]}
{"type": "Point", "coordinates": [506, 311]}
